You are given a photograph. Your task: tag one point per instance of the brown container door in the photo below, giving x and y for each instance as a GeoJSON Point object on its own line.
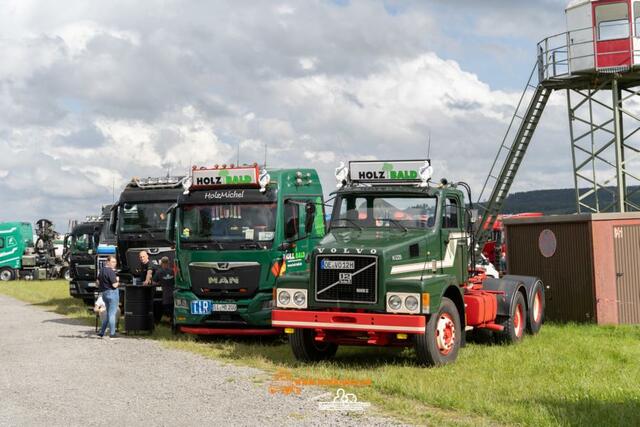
{"type": "Point", "coordinates": [626, 244]}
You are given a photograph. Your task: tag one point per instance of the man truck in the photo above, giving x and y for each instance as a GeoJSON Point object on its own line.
{"type": "Point", "coordinates": [139, 221]}
{"type": "Point", "coordinates": [394, 270]}
{"type": "Point", "coordinates": [86, 245]}
{"type": "Point", "coordinates": [236, 229]}
{"type": "Point", "coordinates": [21, 258]}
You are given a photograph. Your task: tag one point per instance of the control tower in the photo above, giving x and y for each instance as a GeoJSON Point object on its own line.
{"type": "Point", "coordinates": [596, 62]}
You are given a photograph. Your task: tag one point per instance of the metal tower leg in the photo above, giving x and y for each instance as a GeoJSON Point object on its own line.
{"type": "Point", "coordinates": [597, 126]}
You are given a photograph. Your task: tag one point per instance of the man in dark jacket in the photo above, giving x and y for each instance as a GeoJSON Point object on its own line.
{"type": "Point", "coordinates": [108, 283]}
{"type": "Point", "coordinates": [164, 277]}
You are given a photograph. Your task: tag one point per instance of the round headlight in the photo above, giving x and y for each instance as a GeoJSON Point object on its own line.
{"type": "Point", "coordinates": [394, 302]}
{"type": "Point", "coordinates": [284, 297]}
{"type": "Point", "coordinates": [299, 298]}
{"type": "Point", "coordinates": [411, 303]}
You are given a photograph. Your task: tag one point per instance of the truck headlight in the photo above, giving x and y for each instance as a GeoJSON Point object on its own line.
{"type": "Point", "coordinates": [284, 297]}
{"type": "Point", "coordinates": [181, 303]}
{"type": "Point", "coordinates": [394, 302]}
{"type": "Point", "coordinates": [292, 298]}
{"type": "Point", "coordinates": [411, 303]}
{"type": "Point", "coordinates": [299, 298]}
{"type": "Point", "coordinates": [403, 302]}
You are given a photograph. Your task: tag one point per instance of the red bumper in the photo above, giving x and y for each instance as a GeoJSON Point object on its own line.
{"type": "Point", "coordinates": [229, 331]}
{"type": "Point", "coordinates": [347, 321]}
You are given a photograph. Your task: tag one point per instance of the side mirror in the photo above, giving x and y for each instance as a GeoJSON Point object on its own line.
{"type": "Point", "coordinates": [113, 219]}
{"type": "Point", "coordinates": [170, 230]}
{"type": "Point", "coordinates": [65, 244]}
{"type": "Point", "coordinates": [310, 216]}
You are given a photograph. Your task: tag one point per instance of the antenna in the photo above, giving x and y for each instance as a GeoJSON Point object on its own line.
{"type": "Point", "coordinates": [265, 155]}
{"type": "Point", "coordinates": [113, 189]}
{"type": "Point", "coordinates": [429, 147]}
{"type": "Point", "coordinates": [238, 155]}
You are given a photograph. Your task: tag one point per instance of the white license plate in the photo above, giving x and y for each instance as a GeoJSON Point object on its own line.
{"type": "Point", "coordinates": [337, 265]}
{"type": "Point", "coordinates": [207, 307]}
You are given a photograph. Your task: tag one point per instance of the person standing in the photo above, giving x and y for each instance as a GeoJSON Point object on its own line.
{"type": "Point", "coordinates": [164, 277]}
{"type": "Point", "coordinates": [145, 273]}
{"type": "Point", "coordinates": [108, 282]}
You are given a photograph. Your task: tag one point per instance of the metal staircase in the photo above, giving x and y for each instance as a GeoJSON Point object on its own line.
{"type": "Point", "coordinates": [510, 154]}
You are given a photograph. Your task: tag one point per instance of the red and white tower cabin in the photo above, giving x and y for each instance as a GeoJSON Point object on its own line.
{"type": "Point", "coordinates": [603, 35]}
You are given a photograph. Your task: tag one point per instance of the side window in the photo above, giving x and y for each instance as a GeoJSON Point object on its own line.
{"type": "Point", "coordinates": [450, 219]}
{"type": "Point", "coordinates": [612, 21]}
{"type": "Point", "coordinates": [1, 242]}
{"type": "Point", "coordinates": [291, 220]}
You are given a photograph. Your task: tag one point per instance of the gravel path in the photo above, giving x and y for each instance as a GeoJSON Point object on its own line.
{"type": "Point", "coordinates": [53, 371]}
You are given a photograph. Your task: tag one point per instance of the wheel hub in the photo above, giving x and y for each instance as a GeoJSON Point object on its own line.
{"type": "Point", "coordinates": [518, 324]}
{"type": "Point", "coordinates": [445, 334]}
{"type": "Point", "coordinates": [537, 307]}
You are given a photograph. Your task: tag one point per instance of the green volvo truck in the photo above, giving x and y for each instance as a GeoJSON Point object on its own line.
{"type": "Point", "coordinates": [235, 230]}
{"type": "Point", "coordinates": [393, 270]}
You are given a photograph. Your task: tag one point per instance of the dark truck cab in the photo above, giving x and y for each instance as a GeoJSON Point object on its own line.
{"type": "Point", "coordinates": [139, 221]}
{"type": "Point", "coordinates": [84, 246]}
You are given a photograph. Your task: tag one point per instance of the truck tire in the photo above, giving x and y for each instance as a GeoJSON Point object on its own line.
{"type": "Point", "coordinates": [441, 341]}
{"type": "Point", "coordinates": [66, 274]}
{"type": "Point", "coordinates": [6, 274]}
{"type": "Point", "coordinates": [515, 324]}
{"type": "Point", "coordinates": [536, 309]}
{"type": "Point", "coordinates": [306, 349]}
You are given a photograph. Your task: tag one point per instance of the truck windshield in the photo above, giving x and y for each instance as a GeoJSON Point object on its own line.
{"type": "Point", "coordinates": [242, 222]}
{"type": "Point", "coordinates": [376, 211]}
{"type": "Point", "coordinates": [135, 217]}
{"type": "Point", "coordinates": [81, 243]}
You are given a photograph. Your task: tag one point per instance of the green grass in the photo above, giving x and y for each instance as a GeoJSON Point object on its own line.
{"type": "Point", "coordinates": [566, 375]}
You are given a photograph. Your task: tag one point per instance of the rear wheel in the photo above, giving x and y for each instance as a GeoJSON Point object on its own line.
{"type": "Point", "coordinates": [441, 341]}
{"type": "Point", "coordinates": [66, 273]}
{"type": "Point", "coordinates": [536, 310]}
{"type": "Point", "coordinates": [514, 326]}
{"type": "Point", "coordinates": [307, 349]}
{"type": "Point", "coordinates": [6, 274]}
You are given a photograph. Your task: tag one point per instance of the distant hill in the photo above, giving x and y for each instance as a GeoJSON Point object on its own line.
{"type": "Point", "coordinates": [553, 202]}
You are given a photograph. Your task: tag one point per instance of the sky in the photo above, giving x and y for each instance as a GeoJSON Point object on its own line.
{"type": "Point", "coordinates": [93, 92]}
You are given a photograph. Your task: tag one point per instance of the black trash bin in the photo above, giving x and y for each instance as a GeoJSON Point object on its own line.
{"type": "Point", "coordinates": [138, 309]}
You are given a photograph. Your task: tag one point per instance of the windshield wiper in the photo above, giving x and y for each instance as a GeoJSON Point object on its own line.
{"type": "Point", "coordinates": [203, 243]}
{"type": "Point", "coordinates": [250, 244]}
{"type": "Point", "coordinates": [397, 223]}
{"type": "Point", "coordinates": [349, 221]}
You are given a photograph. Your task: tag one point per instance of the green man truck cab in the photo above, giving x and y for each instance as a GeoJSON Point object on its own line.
{"type": "Point", "coordinates": [20, 258]}
{"type": "Point", "coordinates": [236, 229]}
{"type": "Point", "coordinates": [393, 270]}
{"type": "Point", "coordinates": [139, 221]}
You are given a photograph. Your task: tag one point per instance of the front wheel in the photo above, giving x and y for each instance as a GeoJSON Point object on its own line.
{"type": "Point", "coordinates": [6, 274]}
{"type": "Point", "coordinates": [66, 273]}
{"type": "Point", "coordinates": [307, 349]}
{"type": "Point", "coordinates": [440, 343]}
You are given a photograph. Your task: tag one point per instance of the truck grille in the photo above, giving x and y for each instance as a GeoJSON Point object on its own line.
{"type": "Point", "coordinates": [224, 279]}
{"type": "Point", "coordinates": [346, 278]}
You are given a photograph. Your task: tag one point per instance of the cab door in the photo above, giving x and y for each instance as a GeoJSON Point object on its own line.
{"type": "Point", "coordinates": [304, 226]}
{"type": "Point", "coordinates": [453, 239]}
{"type": "Point", "coordinates": [612, 33]}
